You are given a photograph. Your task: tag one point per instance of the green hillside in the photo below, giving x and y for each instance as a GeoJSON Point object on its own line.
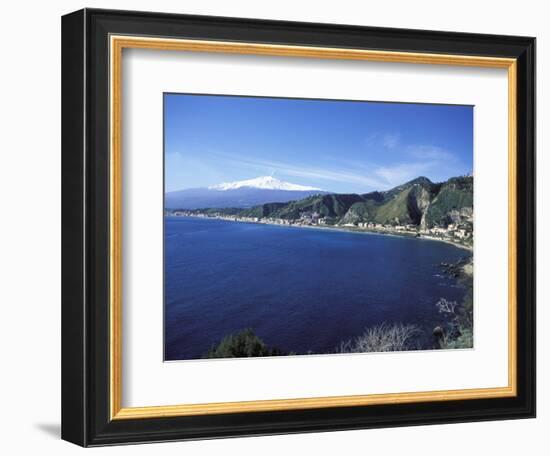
{"type": "Point", "coordinates": [455, 195]}
{"type": "Point", "coordinates": [327, 206]}
{"type": "Point", "coordinates": [418, 202]}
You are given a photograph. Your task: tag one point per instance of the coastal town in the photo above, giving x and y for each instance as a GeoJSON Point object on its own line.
{"type": "Point", "coordinates": [459, 232]}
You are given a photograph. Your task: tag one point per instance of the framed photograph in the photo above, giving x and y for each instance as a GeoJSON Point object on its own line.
{"type": "Point", "coordinates": [277, 227]}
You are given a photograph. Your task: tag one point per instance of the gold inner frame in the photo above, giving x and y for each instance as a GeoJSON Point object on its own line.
{"type": "Point", "coordinates": [117, 44]}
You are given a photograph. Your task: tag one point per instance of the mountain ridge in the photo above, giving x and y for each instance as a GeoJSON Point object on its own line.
{"type": "Point", "coordinates": [241, 194]}
{"type": "Point", "coordinates": [263, 182]}
{"type": "Point", "coordinates": [417, 203]}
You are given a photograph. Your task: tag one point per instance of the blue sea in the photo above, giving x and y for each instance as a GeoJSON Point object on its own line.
{"type": "Point", "coordinates": [301, 290]}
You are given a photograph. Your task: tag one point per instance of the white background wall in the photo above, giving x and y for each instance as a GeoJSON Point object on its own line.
{"type": "Point", "coordinates": [30, 226]}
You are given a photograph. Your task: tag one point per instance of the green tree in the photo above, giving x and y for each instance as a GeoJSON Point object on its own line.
{"type": "Point", "coordinates": [244, 344]}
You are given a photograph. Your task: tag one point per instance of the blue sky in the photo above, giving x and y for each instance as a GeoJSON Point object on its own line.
{"type": "Point", "coordinates": [338, 146]}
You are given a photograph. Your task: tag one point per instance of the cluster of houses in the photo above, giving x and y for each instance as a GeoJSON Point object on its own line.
{"type": "Point", "coordinates": [458, 231]}
{"type": "Point", "coordinates": [311, 218]}
{"type": "Point", "coordinates": [461, 231]}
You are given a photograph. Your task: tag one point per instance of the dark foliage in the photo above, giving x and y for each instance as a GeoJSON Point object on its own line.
{"type": "Point", "coordinates": [244, 344]}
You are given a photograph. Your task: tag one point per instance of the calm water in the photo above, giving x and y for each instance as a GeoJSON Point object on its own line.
{"type": "Point", "coordinates": [299, 289]}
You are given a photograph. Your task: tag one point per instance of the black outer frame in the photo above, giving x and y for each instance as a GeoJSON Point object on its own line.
{"type": "Point", "coordinates": [85, 227]}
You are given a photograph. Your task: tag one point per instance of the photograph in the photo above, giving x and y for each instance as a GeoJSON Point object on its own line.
{"type": "Point", "coordinates": [316, 226]}
{"type": "Point", "coordinates": [270, 226]}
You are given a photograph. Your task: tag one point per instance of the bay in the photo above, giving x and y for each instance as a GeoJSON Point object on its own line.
{"type": "Point", "coordinates": [301, 290]}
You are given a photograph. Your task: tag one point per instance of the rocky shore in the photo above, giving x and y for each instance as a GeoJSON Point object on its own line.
{"type": "Point", "coordinates": [462, 269]}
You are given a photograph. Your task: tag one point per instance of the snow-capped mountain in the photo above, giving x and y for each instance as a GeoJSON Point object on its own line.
{"type": "Point", "coordinates": [245, 193]}
{"type": "Point", "coordinates": [263, 182]}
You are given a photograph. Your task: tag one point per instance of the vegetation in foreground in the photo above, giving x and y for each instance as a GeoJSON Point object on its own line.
{"type": "Point", "coordinates": [458, 328]}
{"type": "Point", "coordinates": [454, 332]}
{"type": "Point", "coordinates": [383, 338]}
{"type": "Point", "coordinates": [244, 344]}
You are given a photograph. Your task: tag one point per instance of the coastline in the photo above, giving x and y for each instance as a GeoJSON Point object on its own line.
{"type": "Point", "coordinates": [469, 248]}
{"type": "Point", "coordinates": [345, 229]}
{"type": "Point", "coordinates": [437, 276]}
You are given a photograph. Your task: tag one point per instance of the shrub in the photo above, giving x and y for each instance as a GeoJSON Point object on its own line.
{"type": "Point", "coordinates": [460, 320]}
{"type": "Point", "coordinates": [382, 338]}
{"type": "Point", "coordinates": [464, 340]}
{"type": "Point", "coordinates": [244, 344]}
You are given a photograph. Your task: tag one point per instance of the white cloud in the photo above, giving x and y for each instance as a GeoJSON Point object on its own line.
{"type": "Point", "coordinates": [383, 140]}
{"type": "Point", "coordinates": [334, 174]}
{"type": "Point", "coordinates": [406, 162]}
{"type": "Point", "coordinates": [390, 141]}
{"type": "Point", "coordinates": [403, 172]}
{"type": "Point", "coordinates": [429, 152]}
